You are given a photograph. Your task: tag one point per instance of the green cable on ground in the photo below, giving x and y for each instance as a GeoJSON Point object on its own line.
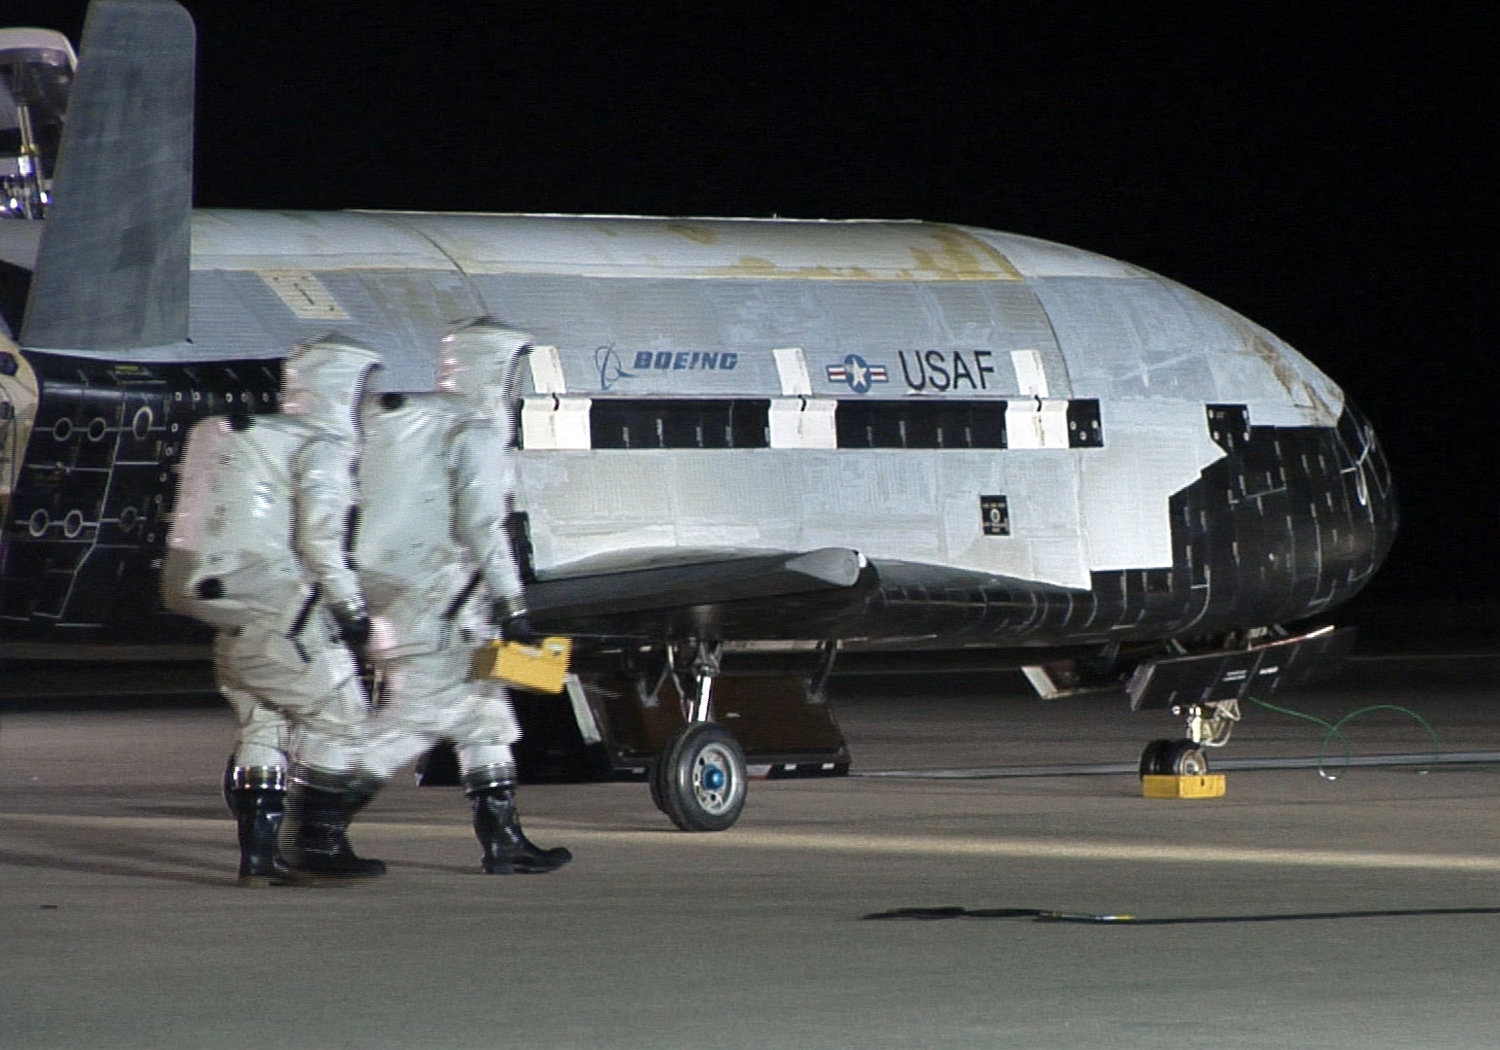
{"type": "Point", "coordinates": [1335, 729]}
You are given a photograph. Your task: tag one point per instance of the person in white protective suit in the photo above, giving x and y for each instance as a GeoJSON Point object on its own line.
{"type": "Point", "coordinates": [436, 564]}
{"type": "Point", "coordinates": [282, 657]}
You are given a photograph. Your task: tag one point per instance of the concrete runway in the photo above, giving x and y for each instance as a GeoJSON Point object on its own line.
{"type": "Point", "coordinates": [121, 926]}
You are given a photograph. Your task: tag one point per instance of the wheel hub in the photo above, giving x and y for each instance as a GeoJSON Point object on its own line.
{"type": "Point", "coordinates": [712, 782]}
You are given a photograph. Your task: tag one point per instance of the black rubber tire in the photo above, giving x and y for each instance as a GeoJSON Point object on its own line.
{"type": "Point", "coordinates": [700, 779]}
{"type": "Point", "coordinates": [654, 778]}
{"type": "Point", "coordinates": [1151, 758]}
{"type": "Point", "coordinates": [1173, 758]}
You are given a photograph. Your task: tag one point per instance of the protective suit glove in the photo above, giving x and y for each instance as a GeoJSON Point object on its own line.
{"type": "Point", "coordinates": [353, 622]}
{"type": "Point", "coordinates": [516, 627]}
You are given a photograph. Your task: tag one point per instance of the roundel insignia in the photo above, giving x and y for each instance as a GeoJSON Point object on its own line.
{"type": "Point", "coordinates": [858, 374]}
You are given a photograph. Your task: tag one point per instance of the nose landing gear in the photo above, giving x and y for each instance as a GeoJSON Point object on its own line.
{"type": "Point", "coordinates": [1208, 725]}
{"type": "Point", "coordinates": [1173, 758]}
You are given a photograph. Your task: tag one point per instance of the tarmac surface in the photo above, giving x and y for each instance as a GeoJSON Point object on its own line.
{"type": "Point", "coordinates": [1297, 911]}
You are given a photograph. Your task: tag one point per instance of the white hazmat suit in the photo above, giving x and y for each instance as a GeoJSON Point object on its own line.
{"type": "Point", "coordinates": [435, 562]}
{"type": "Point", "coordinates": [259, 549]}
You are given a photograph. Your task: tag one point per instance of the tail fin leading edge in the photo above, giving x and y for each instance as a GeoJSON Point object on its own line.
{"type": "Point", "coordinates": [112, 268]}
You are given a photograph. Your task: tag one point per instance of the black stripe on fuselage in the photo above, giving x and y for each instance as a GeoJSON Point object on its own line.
{"type": "Point", "coordinates": [680, 423]}
{"type": "Point", "coordinates": [720, 423]}
{"type": "Point", "coordinates": [921, 424]}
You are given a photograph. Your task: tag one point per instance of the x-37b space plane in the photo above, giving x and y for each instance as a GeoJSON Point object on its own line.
{"type": "Point", "coordinates": [752, 451]}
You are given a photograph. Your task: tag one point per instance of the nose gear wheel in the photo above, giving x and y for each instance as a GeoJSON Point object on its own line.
{"type": "Point", "coordinates": [1173, 758]}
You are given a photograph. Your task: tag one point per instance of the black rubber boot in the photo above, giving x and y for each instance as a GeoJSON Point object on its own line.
{"type": "Point", "coordinates": [507, 851]}
{"type": "Point", "coordinates": [256, 796]}
{"type": "Point", "coordinates": [314, 838]}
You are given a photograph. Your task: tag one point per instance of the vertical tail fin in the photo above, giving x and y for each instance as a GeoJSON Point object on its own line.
{"type": "Point", "coordinates": [112, 269]}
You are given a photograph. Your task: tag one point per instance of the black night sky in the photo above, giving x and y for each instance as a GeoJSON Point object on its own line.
{"type": "Point", "coordinates": [1317, 168]}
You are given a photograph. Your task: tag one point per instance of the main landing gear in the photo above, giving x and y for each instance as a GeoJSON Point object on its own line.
{"type": "Point", "coordinates": [699, 779]}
